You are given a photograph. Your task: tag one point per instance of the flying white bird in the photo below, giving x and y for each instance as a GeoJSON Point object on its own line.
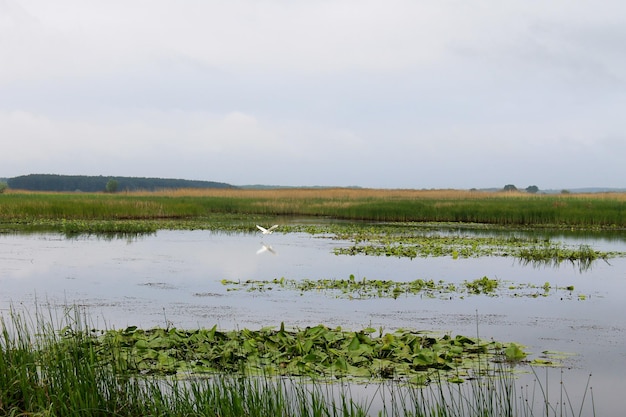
{"type": "Point", "coordinates": [267, 231]}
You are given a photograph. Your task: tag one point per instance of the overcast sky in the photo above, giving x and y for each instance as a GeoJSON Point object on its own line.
{"type": "Point", "coordinates": [381, 94]}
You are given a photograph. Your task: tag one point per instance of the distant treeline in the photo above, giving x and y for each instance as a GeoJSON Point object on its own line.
{"type": "Point", "coordinates": [51, 182]}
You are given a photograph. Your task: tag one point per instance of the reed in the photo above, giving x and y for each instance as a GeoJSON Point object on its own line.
{"type": "Point", "coordinates": [518, 209]}
{"type": "Point", "coordinates": [50, 373]}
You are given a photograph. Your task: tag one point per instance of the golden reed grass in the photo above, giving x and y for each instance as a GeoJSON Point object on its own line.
{"type": "Point", "coordinates": [345, 194]}
{"type": "Point", "coordinates": [364, 194]}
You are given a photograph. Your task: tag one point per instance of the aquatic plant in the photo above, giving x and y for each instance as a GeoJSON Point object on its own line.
{"type": "Point", "coordinates": [70, 373]}
{"type": "Point", "coordinates": [582, 256]}
{"type": "Point", "coordinates": [365, 288]}
{"type": "Point", "coordinates": [316, 351]}
{"type": "Point", "coordinates": [114, 228]}
{"type": "Point", "coordinates": [415, 242]}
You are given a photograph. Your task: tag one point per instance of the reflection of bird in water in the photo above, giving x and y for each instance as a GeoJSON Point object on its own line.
{"type": "Point", "coordinates": [266, 248]}
{"type": "Point", "coordinates": [267, 231]}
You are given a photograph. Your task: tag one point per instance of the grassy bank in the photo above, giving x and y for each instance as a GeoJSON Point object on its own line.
{"type": "Point", "coordinates": [519, 209]}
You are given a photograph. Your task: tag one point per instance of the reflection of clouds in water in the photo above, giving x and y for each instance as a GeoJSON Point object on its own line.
{"type": "Point", "coordinates": [175, 276]}
{"type": "Point", "coordinates": [34, 255]}
{"type": "Point", "coordinates": [174, 266]}
{"type": "Point", "coordinates": [219, 256]}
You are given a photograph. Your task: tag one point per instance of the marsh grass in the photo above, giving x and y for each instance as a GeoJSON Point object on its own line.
{"type": "Point", "coordinates": [44, 372]}
{"type": "Point", "coordinates": [572, 210]}
{"type": "Point", "coordinates": [48, 372]}
{"type": "Point", "coordinates": [413, 240]}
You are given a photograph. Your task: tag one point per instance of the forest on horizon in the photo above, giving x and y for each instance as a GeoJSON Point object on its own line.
{"type": "Point", "coordinates": [86, 183]}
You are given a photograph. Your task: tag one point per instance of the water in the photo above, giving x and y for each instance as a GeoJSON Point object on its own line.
{"type": "Point", "coordinates": [174, 278]}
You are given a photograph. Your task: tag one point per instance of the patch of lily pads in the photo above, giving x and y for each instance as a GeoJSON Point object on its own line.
{"type": "Point", "coordinates": [364, 288]}
{"type": "Point", "coordinates": [410, 356]}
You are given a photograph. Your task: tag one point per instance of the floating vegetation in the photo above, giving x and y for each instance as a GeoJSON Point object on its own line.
{"type": "Point", "coordinates": [315, 351]}
{"type": "Point", "coordinates": [551, 358]}
{"type": "Point", "coordinates": [120, 226]}
{"type": "Point", "coordinates": [114, 228]}
{"type": "Point", "coordinates": [407, 242]}
{"type": "Point", "coordinates": [356, 289]}
{"type": "Point", "coordinates": [349, 288]}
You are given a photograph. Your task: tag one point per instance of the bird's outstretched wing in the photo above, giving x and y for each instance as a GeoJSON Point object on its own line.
{"type": "Point", "coordinates": [267, 231]}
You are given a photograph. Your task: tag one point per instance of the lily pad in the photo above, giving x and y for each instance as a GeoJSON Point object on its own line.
{"type": "Point", "coordinates": [317, 351]}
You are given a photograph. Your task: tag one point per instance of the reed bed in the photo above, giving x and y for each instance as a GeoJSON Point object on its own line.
{"type": "Point", "coordinates": [606, 210]}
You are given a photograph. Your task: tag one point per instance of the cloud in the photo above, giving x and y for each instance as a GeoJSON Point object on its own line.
{"type": "Point", "coordinates": [72, 38]}
{"type": "Point", "coordinates": [164, 144]}
{"type": "Point", "coordinates": [398, 93]}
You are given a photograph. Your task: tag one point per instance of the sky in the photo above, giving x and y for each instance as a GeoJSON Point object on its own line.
{"type": "Point", "coordinates": [413, 94]}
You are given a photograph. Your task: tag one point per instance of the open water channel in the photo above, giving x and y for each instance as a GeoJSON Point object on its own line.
{"type": "Point", "coordinates": [175, 278]}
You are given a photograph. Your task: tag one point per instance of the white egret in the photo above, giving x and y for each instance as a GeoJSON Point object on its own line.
{"type": "Point", "coordinates": [267, 231]}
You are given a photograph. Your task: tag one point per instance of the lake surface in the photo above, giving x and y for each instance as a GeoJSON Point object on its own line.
{"type": "Point", "coordinates": [174, 278]}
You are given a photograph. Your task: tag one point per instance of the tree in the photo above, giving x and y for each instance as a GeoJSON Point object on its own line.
{"type": "Point", "coordinates": [111, 186]}
{"type": "Point", "coordinates": [3, 187]}
{"type": "Point", "coordinates": [510, 187]}
{"type": "Point", "coordinates": [532, 189]}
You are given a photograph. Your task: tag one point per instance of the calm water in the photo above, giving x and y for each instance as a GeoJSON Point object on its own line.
{"type": "Point", "coordinates": [174, 277]}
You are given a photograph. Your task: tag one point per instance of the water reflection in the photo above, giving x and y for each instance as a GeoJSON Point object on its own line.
{"type": "Point", "coordinates": [266, 248]}
{"type": "Point", "coordinates": [599, 238]}
{"type": "Point", "coordinates": [175, 277]}
{"type": "Point", "coordinates": [582, 265]}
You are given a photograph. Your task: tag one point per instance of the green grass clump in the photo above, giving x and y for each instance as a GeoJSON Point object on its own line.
{"type": "Point", "coordinates": [584, 255]}
{"type": "Point", "coordinates": [411, 240]}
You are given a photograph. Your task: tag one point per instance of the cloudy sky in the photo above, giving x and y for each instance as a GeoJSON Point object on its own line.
{"type": "Point", "coordinates": [381, 94]}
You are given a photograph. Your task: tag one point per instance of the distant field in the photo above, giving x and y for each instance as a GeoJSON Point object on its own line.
{"type": "Point", "coordinates": [606, 210]}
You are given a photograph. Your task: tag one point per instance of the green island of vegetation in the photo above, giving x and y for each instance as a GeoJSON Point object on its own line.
{"type": "Point", "coordinates": [318, 351]}
{"type": "Point", "coordinates": [364, 288]}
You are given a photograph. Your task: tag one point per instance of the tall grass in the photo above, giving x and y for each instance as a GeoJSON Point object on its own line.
{"type": "Point", "coordinates": [46, 372]}
{"type": "Point", "coordinates": [575, 210]}
{"type": "Point", "coordinates": [42, 373]}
